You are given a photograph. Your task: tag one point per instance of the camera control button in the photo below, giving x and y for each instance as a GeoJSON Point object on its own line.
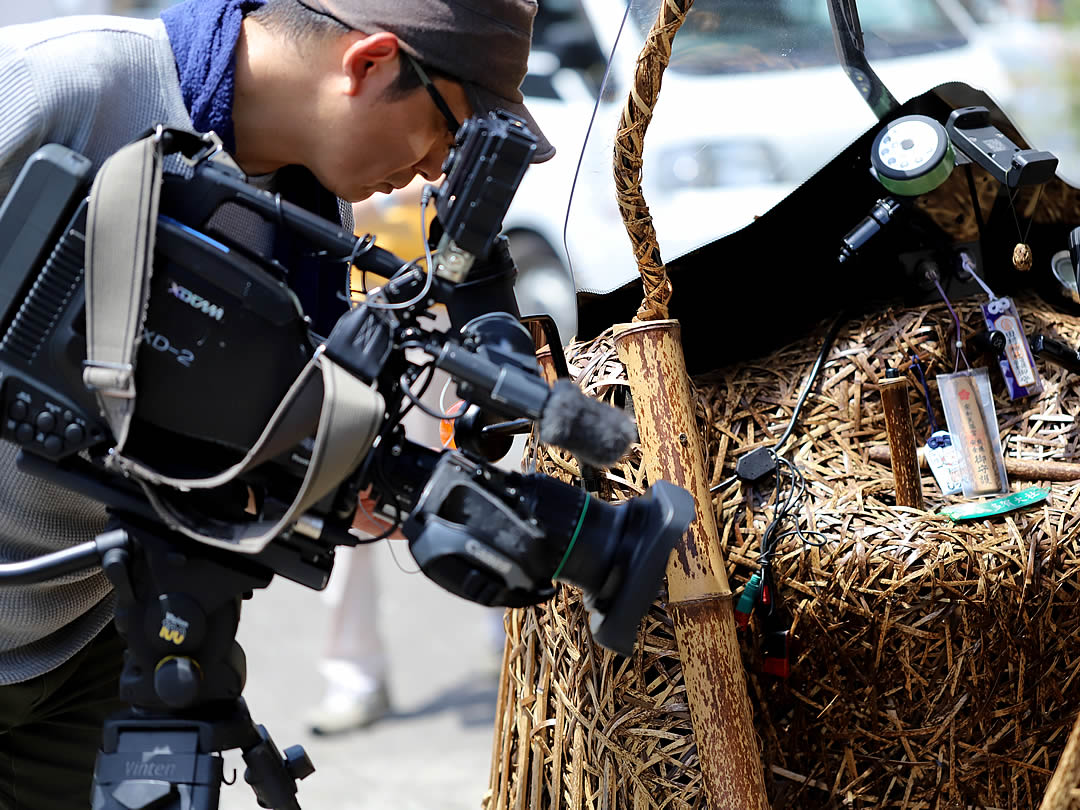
{"type": "Point", "coordinates": [18, 410]}
{"type": "Point", "coordinates": [53, 443]}
{"type": "Point", "coordinates": [74, 434]}
{"type": "Point", "coordinates": [45, 421]}
{"type": "Point", "coordinates": [24, 433]}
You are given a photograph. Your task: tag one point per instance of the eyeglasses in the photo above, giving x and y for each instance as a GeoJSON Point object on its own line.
{"type": "Point", "coordinates": [451, 120]}
{"type": "Point", "coordinates": [448, 115]}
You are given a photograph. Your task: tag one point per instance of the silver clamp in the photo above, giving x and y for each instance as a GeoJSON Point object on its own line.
{"type": "Point", "coordinates": [110, 379]}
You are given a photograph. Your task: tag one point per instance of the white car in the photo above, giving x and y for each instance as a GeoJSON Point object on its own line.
{"type": "Point", "coordinates": [753, 102]}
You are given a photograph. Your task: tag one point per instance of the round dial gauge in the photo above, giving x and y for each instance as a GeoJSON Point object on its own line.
{"type": "Point", "coordinates": [912, 155]}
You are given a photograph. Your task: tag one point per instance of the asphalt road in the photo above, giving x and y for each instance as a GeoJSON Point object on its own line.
{"type": "Point", "coordinates": [434, 752]}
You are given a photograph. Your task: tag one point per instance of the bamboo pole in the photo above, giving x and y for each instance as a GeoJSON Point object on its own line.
{"type": "Point", "coordinates": [1062, 793]}
{"type": "Point", "coordinates": [547, 365]}
{"type": "Point", "coordinates": [904, 456]}
{"type": "Point", "coordinates": [699, 598]}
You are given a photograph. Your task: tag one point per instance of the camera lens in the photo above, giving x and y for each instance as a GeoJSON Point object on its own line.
{"type": "Point", "coordinates": [617, 555]}
{"type": "Point", "coordinates": [501, 539]}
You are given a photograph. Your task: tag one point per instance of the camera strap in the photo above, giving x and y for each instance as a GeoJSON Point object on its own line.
{"type": "Point", "coordinates": [348, 422]}
{"type": "Point", "coordinates": [121, 223]}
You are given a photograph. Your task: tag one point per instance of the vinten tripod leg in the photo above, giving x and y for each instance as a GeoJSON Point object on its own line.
{"type": "Point", "coordinates": [178, 608]}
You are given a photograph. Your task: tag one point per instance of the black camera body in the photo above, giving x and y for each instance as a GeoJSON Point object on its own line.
{"type": "Point", "coordinates": [219, 323]}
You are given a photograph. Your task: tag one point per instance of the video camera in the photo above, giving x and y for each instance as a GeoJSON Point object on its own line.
{"type": "Point", "coordinates": [220, 435]}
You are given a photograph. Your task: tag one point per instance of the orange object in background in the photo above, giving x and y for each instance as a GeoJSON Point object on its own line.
{"type": "Point", "coordinates": [367, 522]}
{"type": "Point", "coordinates": [394, 219]}
{"type": "Point", "coordinates": [446, 427]}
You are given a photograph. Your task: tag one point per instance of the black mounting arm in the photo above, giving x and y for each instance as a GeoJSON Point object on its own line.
{"type": "Point", "coordinates": [848, 37]}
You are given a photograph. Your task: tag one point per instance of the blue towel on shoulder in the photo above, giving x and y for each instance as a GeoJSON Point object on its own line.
{"type": "Point", "coordinates": [203, 35]}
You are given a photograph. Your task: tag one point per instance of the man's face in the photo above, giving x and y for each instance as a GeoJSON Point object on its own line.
{"type": "Point", "coordinates": [382, 141]}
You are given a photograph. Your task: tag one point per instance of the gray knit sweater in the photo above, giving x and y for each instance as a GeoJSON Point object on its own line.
{"type": "Point", "coordinates": [92, 84]}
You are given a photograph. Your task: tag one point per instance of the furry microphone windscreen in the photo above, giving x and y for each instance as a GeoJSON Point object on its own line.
{"type": "Point", "coordinates": [594, 432]}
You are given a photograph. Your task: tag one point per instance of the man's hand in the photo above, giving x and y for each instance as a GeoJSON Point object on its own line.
{"type": "Point", "coordinates": [367, 523]}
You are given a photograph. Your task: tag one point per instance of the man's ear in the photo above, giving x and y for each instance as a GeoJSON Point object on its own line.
{"type": "Point", "coordinates": [367, 54]}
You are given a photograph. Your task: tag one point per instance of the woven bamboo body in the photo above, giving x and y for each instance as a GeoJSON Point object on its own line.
{"type": "Point", "coordinates": [938, 661]}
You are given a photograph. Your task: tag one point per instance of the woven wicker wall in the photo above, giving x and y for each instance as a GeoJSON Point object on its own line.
{"type": "Point", "coordinates": [938, 661]}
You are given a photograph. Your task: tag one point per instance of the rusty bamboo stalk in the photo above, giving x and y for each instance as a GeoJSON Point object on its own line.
{"type": "Point", "coordinates": [699, 597]}
{"type": "Point", "coordinates": [1024, 469]}
{"type": "Point", "coordinates": [904, 456]}
{"type": "Point", "coordinates": [1061, 793]}
{"type": "Point", "coordinates": [547, 365]}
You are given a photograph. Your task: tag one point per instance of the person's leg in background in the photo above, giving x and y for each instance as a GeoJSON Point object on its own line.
{"type": "Point", "coordinates": [354, 662]}
{"type": "Point", "coordinates": [51, 728]}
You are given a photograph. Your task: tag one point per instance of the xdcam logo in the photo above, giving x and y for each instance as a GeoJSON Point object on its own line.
{"type": "Point", "coordinates": [195, 301]}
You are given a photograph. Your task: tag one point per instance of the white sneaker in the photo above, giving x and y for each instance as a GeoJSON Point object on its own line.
{"type": "Point", "coordinates": [341, 711]}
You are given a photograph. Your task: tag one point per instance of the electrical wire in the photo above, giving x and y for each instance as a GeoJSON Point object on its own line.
{"type": "Point", "coordinates": [443, 393]}
{"type": "Point", "coordinates": [393, 527]}
{"type": "Point", "coordinates": [372, 295]}
{"type": "Point", "coordinates": [788, 502]}
{"type": "Point", "coordinates": [789, 483]}
{"type": "Point", "coordinates": [925, 388]}
{"type": "Point", "coordinates": [397, 522]}
{"type": "Point", "coordinates": [429, 275]}
{"type": "Point", "coordinates": [823, 353]}
{"type": "Point", "coordinates": [969, 267]}
{"type": "Point", "coordinates": [826, 345]}
{"type": "Point", "coordinates": [423, 390]}
{"type": "Point", "coordinates": [397, 562]}
{"type": "Point", "coordinates": [585, 142]}
{"type": "Point", "coordinates": [414, 399]}
{"type": "Point", "coordinates": [361, 476]}
{"type": "Point", "coordinates": [956, 323]}
{"type": "Point", "coordinates": [360, 247]}
{"type": "Point", "coordinates": [723, 484]}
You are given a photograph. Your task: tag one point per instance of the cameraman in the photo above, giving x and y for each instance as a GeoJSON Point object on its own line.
{"type": "Point", "coordinates": [323, 101]}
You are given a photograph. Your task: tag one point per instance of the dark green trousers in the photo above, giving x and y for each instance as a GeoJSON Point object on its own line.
{"type": "Point", "coordinates": [50, 729]}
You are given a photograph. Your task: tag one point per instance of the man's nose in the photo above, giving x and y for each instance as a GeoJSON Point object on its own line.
{"type": "Point", "coordinates": [430, 168]}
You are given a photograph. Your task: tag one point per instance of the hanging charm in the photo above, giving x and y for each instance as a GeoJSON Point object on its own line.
{"type": "Point", "coordinates": [1022, 257]}
{"type": "Point", "coordinates": [972, 419]}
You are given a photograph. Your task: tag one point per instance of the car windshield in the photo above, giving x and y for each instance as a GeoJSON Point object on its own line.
{"type": "Point", "coordinates": [737, 36]}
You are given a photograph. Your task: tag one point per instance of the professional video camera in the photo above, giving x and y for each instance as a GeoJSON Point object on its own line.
{"type": "Point", "coordinates": [153, 362]}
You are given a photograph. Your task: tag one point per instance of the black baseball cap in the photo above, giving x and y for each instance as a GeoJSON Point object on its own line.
{"type": "Point", "coordinates": [482, 43]}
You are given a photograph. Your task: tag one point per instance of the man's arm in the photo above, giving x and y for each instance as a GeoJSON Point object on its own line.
{"type": "Point", "coordinates": [22, 122]}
